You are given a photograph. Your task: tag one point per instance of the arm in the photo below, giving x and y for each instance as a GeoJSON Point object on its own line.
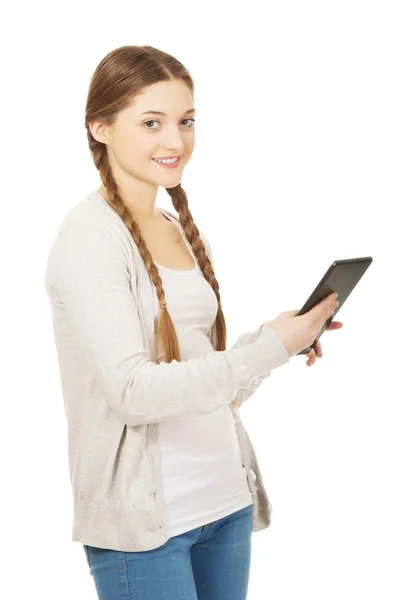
{"type": "Point", "coordinates": [87, 269]}
{"type": "Point", "coordinates": [247, 389]}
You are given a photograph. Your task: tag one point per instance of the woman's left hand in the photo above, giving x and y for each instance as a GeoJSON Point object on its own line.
{"type": "Point", "coordinates": [317, 351]}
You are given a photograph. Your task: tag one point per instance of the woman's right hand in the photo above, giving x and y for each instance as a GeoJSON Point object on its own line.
{"type": "Point", "coordinates": [299, 332]}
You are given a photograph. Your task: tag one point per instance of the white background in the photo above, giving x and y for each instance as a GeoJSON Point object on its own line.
{"type": "Point", "coordinates": [296, 165]}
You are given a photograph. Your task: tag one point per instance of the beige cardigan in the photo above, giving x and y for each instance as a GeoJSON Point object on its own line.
{"type": "Point", "coordinates": [114, 392]}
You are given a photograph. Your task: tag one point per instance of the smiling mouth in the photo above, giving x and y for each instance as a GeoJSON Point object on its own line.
{"type": "Point", "coordinates": [167, 157]}
{"type": "Point", "coordinates": [168, 162]}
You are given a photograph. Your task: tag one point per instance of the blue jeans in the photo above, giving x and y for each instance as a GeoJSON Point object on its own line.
{"type": "Point", "coordinates": [207, 563]}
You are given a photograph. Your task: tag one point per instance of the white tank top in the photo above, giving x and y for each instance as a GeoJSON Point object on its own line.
{"type": "Point", "coordinates": [203, 476]}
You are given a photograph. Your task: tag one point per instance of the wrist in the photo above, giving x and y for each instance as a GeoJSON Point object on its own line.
{"type": "Point", "coordinates": [261, 328]}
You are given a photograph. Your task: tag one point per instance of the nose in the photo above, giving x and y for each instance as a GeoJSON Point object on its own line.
{"type": "Point", "coordinates": [173, 141]}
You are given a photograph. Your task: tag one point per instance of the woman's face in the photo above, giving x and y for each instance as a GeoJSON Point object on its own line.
{"type": "Point", "coordinates": [136, 139]}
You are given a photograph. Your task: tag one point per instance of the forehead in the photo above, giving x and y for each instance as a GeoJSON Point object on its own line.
{"type": "Point", "coordinates": [170, 97]}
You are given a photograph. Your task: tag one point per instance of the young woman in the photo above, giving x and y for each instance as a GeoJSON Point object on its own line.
{"type": "Point", "coordinates": [166, 485]}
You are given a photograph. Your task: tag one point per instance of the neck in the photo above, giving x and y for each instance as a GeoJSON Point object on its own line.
{"type": "Point", "coordinates": [140, 215]}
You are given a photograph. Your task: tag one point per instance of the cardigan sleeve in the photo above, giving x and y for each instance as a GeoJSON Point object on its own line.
{"type": "Point", "coordinates": [87, 271]}
{"type": "Point", "coordinates": [247, 388]}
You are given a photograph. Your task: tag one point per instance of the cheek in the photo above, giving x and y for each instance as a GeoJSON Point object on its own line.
{"type": "Point", "coordinates": [189, 147]}
{"type": "Point", "coordinates": [146, 147]}
{"type": "Point", "coordinates": [137, 148]}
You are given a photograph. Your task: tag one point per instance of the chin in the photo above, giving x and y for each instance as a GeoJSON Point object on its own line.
{"type": "Point", "coordinates": [173, 182]}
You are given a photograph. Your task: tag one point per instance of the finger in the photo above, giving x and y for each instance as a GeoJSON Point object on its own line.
{"type": "Point", "coordinates": [318, 349]}
{"type": "Point", "coordinates": [311, 358]}
{"type": "Point", "coordinates": [314, 314]}
{"type": "Point", "coordinates": [334, 325]}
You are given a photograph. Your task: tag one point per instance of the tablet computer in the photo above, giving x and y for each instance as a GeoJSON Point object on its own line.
{"type": "Point", "coordinates": [341, 278]}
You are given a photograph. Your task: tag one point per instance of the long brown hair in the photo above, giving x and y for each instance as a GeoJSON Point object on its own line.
{"type": "Point", "coordinates": [117, 80]}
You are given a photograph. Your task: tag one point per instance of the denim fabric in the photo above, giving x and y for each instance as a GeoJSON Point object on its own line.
{"type": "Point", "coordinates": [207, 563]}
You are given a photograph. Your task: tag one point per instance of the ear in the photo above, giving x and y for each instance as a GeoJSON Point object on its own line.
{"type": "Point", "coordinates": [98, 131]}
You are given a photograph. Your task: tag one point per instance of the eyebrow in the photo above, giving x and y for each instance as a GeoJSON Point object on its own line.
{"type": "Point", "coordinates": [157, 112]}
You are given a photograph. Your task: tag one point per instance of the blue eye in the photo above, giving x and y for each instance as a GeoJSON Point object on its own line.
{"type": "Point", "coordinates": [193, 120]}
{"type": "Point", "coordinates": [153, 121]}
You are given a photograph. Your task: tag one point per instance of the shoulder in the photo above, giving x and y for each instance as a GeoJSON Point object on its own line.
{"type": "Point", "coordinates": [87, 237]}
{"type": "Point", "coordinates": [89, 220]}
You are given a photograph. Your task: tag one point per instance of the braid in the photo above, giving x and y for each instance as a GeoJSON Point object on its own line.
{"type": "Point", "coordinates": [179, 200]}
{"type": "Point", "coordinates": [120, 77]}
{"type": "Point", "coordinates": [166, 333]}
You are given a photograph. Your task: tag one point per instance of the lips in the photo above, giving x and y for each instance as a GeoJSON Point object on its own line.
{"type": "Point", "coordinates": [166, 157]}
{"type": "Point", "coordinates": [171, 165]}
